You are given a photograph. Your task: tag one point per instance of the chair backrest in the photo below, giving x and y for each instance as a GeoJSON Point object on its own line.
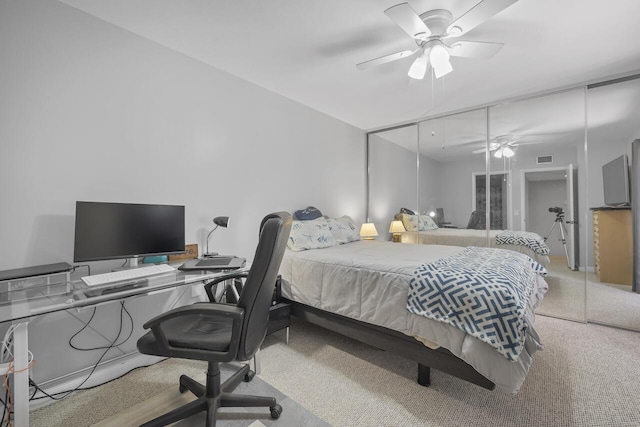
{"type": "Point", "coordinates": [477, 220]}
{"type": "Point", "coordinates": [439, 216]}
{"type": "Point", "coordinates": [257, 292]}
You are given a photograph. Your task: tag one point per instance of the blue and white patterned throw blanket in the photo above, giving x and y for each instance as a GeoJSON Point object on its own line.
{"type": "Point", "coordinates": [523, 238]}
{"type": "Point", "coordinates": [482, 291]}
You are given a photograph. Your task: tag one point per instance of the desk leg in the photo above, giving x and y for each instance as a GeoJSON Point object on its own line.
{"type": "Point", "coordinates": [21, 375]}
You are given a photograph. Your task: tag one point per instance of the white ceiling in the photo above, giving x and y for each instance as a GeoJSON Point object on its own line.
{"type": "Point", "coordinates": [307, 50]}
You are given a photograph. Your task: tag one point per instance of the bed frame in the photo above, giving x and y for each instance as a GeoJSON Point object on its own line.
{"type": "Point", "coordinates": [396, 342]}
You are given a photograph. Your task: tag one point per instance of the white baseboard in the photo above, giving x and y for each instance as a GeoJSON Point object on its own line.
{"type": "Point", "coordinates": [105, 372]}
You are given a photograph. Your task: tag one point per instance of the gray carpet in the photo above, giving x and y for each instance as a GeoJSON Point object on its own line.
{"type": "Point", "coordinates": [146, 393]}
{"type": "Point", "coordinates": [569, 298]}
{"type": "Point", "coordinates": [587, 376]}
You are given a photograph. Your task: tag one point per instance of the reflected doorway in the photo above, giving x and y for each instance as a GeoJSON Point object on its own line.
{"type": "Point", "coordinates": [498, 198]}
{"type": "Point", "coordinates": [549, 208]}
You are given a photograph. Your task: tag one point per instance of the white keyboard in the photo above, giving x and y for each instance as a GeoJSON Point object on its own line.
{"type": "Point", "coordinates": [127, 275]}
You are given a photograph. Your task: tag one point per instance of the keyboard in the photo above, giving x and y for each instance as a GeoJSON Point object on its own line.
{"type": "Point", "coordinates": [127, 275]}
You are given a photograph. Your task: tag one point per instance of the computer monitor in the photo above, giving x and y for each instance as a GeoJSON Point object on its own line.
{"type": "Point", "coordinates": [125, 230]}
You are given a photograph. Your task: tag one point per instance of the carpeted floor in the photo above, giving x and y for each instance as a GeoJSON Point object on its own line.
{"type": "Point", "coordinates": [146, 393]}
{"type": "Point", "coordinates": [569, 298]}
{"type": "Point", "coordinates": [586, 376]}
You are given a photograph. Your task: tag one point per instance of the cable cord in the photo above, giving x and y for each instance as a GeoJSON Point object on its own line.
{"type": "Point", "coordinates": [104, 347]}
{"type": "Point", "coordinates": [6, 407]}
{"type": "Point", "coordinates": [54, 396]}
{"type": "Point", "coordinates": [83, 265]}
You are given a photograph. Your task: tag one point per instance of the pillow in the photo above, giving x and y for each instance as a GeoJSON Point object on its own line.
{"type": "Point", "coordinates": [427, 223]}
{"type": "Point", "coordinates": [311, 234]}
{"type": "Point", "coordinates": [308, 214]}
{"type": "Point", "coordinates": [410, 222]}
{"type": "Point", "coordinates": [407, 211]}
{"type": "Point", "coordinates": [343, 229]}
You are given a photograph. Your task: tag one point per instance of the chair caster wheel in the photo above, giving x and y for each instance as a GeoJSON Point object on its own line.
{"type": "Point", "coordinates": [276, 411]}
{"type": "Point", "coordinates": [249, 376]}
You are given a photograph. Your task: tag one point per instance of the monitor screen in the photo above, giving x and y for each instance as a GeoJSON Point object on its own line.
{"type": "Point", "coordinates": [615, 176]}
{"type": "Point", "coordinates": [124, 230]}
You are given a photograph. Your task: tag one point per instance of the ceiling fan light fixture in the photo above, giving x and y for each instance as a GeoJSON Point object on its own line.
{"type": "Point", "coordinates": [498, 153]}
{"type": "Point", "coordinates": [439, 58]}
{"type": "Point", "coordinates": [508, 152]}
{"type": "Point", "coordinates": [418, 68]}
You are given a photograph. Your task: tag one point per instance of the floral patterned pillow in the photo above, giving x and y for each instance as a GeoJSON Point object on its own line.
{"type": "Point", "coordinates": [343, 229]}
{"type": "Point", "coordinates": [313, 234]}
{"type": "Point", "coordinates": [410, 222]}
{"type": "Point", "coordinates": [427, 223]}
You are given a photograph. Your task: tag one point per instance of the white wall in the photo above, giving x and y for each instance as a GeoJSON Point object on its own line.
{"type": "Point", "coordinates": [392, 182]}
{"type": "Point", "coordinates": [89, 111]}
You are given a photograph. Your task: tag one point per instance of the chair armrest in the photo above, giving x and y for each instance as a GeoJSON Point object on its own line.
{"type": "Point", "coordinates": [204, 309]}
{"type": "Point", "coordinates": [209, 285]}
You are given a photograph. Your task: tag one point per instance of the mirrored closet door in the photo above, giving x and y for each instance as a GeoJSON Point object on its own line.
{"type": "Point", "coordinates": [452, 157]}
{"type": "Point", "coordinates": [613, 117]}
{"type": "Point", "coordinates": [537, 182]}
{"type": "Point", "coordinates": [393, 180]}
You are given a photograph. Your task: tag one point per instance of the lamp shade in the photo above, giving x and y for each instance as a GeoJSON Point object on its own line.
{"type": "Point", "coordinates": [396, 227]}
{"type": "Point", "coordinates": [222, 221]}
{"type": "Point", "coordinates": [419, 67]}
{"type": "Point", "coordinates": [368, 231]}
{"type": "Point", "coordinates": [439, 58]}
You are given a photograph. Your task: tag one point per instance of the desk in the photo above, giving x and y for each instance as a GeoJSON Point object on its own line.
{"type": "Point", "coordinates": [23, 299]}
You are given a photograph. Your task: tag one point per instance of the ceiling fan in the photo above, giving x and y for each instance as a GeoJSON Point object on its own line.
{"type": "Point", "coordinates": [435, 34]}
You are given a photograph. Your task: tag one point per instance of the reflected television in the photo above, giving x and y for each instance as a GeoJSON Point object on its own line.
{"type": "Point", "coordinates": [106, 231]}
{"type": "Point", "coordinates": [615, 176]}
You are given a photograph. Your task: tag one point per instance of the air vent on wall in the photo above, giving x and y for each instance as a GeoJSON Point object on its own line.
{"type": "Point", "coordinates": [544, 160]}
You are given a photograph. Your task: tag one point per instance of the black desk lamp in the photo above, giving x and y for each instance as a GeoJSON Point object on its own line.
{"type": "Point", "coordinates": [219, 221]}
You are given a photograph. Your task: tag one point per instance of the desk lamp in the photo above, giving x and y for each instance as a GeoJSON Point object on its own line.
{"type": "Point", "coordinates": [396, 228]}
{"type": "Point", "coordinates": [368, 231]}
{"type": "Point", "coordinates": [219, 221]}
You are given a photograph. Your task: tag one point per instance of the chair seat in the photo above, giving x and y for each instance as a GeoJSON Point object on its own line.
{"type": "Point", "coordinates": [192, 332]}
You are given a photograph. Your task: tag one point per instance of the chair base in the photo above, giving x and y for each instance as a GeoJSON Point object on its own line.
{"type": "Point", "coordinates": [215, 395]}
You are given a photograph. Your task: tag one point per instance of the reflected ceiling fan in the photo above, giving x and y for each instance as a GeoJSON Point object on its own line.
{"type": "Point", "coordinates": [503, 145]}
{"type": "Point", "coordinates": [435, 32]}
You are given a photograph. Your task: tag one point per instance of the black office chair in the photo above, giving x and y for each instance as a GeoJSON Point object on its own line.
{"type": "Point", "coordinates": [440, 218]}
{"type": "Point", "coordinates": [222, 333]}
{"type": "Point", "coordinates": [477, 220]}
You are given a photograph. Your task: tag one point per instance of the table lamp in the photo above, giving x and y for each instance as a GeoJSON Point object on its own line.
{"type": "Point", "coordinates": [368, 231]}
{"type": "Point", "coordinates": [219, 221]}
{"type": "Point", "coordinates": [396, 228]}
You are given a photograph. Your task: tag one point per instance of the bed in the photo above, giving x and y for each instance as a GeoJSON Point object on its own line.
{"type": "Point", "coordinates": [424, 231]}
{"type": "Point", "coordinates": [361, 288]}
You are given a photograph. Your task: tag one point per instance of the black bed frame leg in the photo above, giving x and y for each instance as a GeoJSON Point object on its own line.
{"type": "Point", "coordinates": [424, 375]}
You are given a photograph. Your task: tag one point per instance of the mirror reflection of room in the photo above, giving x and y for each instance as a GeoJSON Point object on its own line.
{"type": "Point", "coordinates": [612, 145]}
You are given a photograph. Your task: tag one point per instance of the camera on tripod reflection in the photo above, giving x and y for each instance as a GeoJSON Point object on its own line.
{"type": "Point", "coordinates": [556, 210]}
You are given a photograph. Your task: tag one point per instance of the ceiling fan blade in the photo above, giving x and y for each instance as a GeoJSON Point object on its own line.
{"type": "Point", "coordinates": [384, 59]}
{"type": "Point", "coordinates": [492, 147]}
{"type": "Point", "coordinates": [519, 143]}
{"type": "Point", "coordinates": [407, 19]}
{"type": "Point", "coordinates": [469, 49]}
{"type": "Point", "coordinates": [477, 15]}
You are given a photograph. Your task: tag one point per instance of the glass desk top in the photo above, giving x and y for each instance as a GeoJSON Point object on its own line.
{"type": "Point", "coordinates": [24, 298]}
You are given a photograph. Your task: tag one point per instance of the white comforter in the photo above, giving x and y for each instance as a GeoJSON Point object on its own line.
{"type": "Point", "coordinates": [466, 237]}
{"type": "Point", "coordinates": [369, 281]}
